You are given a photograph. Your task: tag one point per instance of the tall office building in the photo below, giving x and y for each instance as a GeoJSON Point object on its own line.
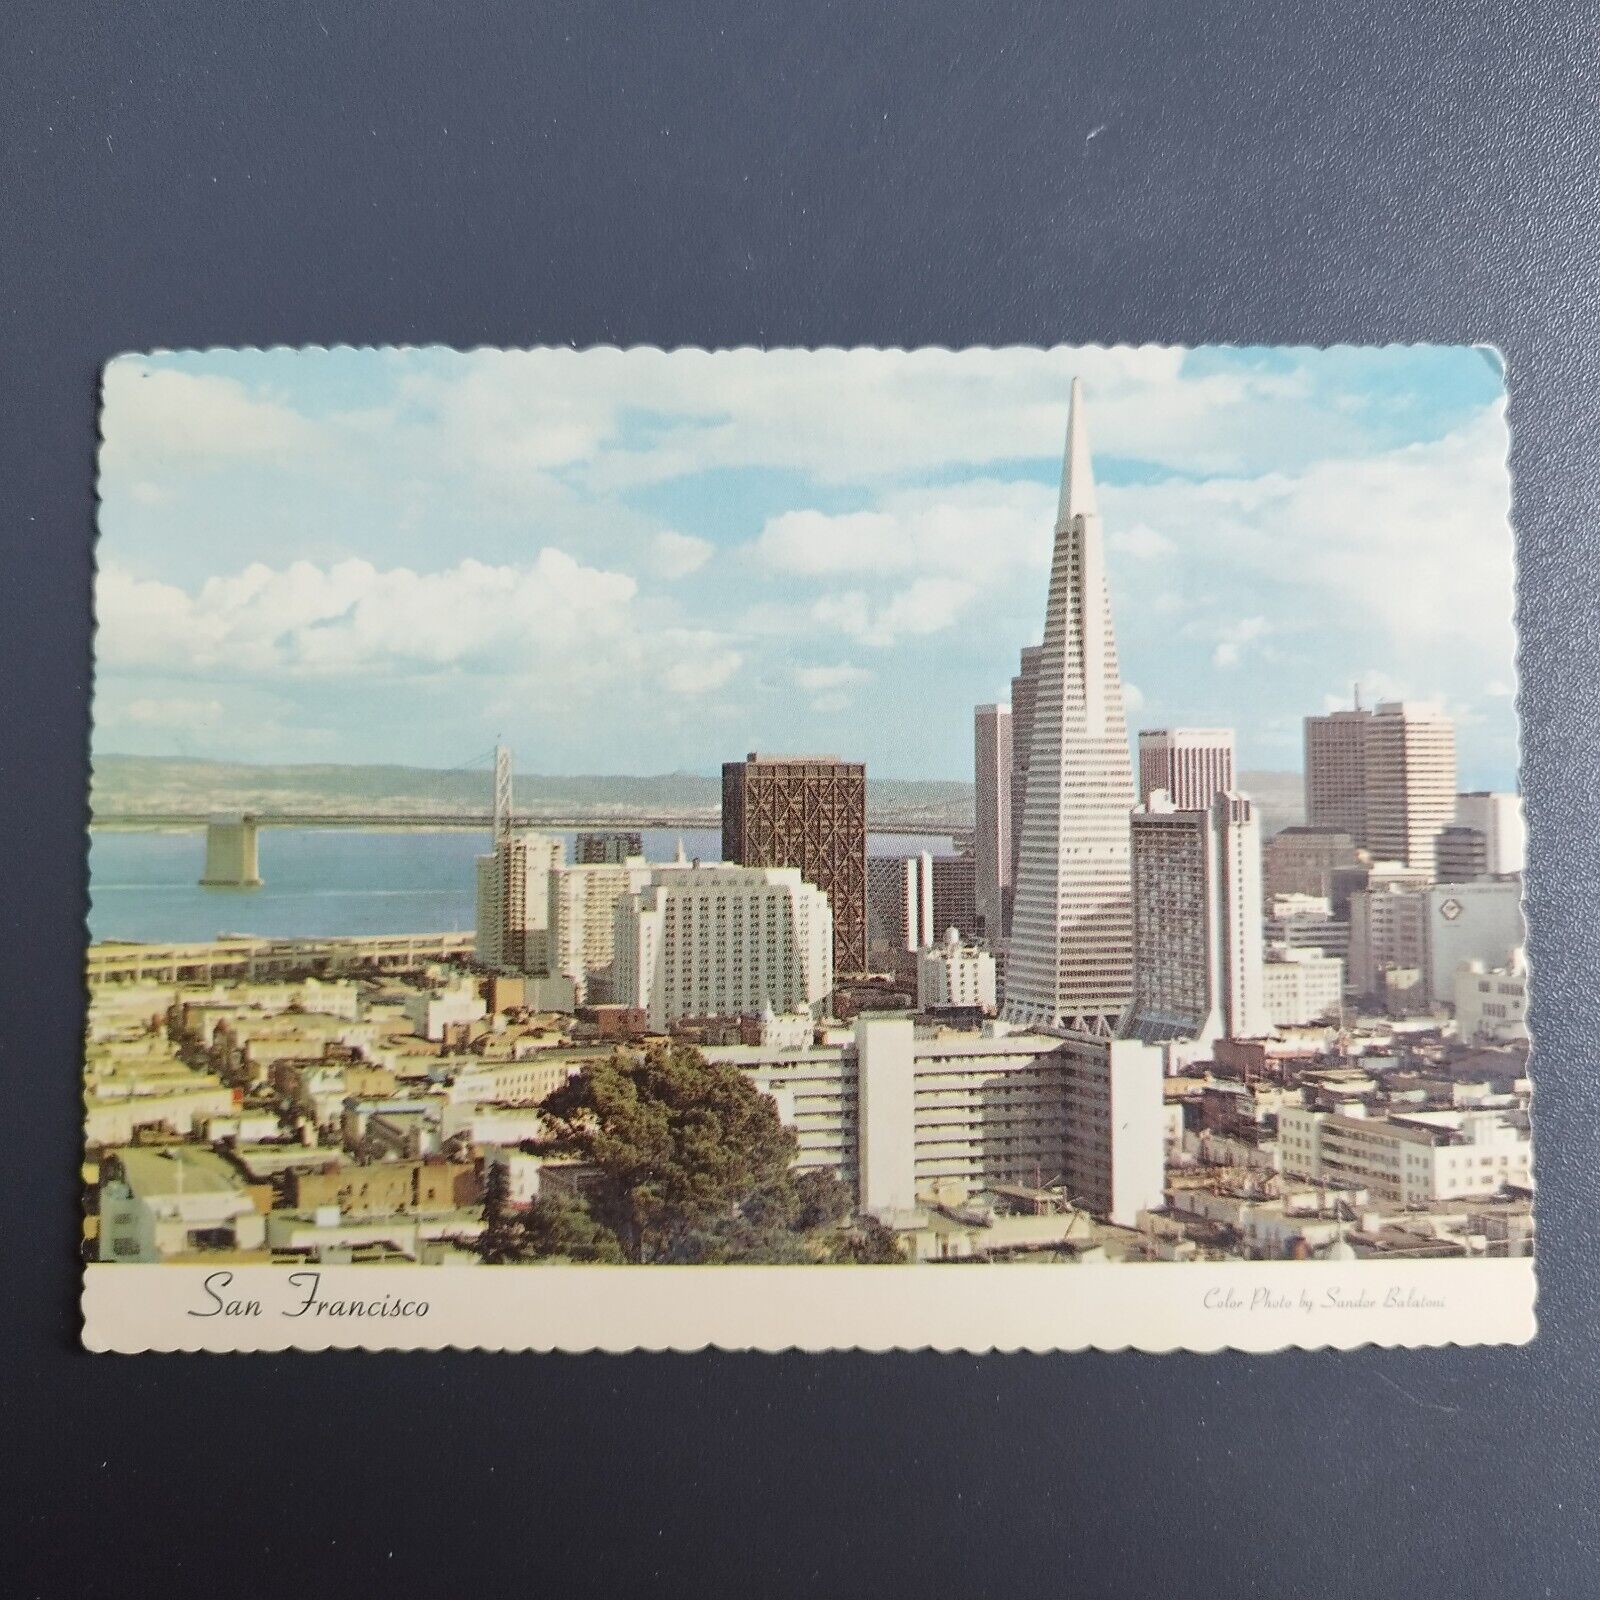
{"type": "Point", "coordinates": [1385, 777]}
{"type": "Point", "coordinates": [1197, 935]}
{"type": "Point", "coordinates": [808, 812]}
{"type": "Point", "coordinates": [1191, 766]}
{"type": "Point", "coordinates": [913, 901]}
{"type": "Point", "coordinates": [991, 837]}
{"type": "Point", "coordinates": [1024, 698]}
{"type": "Point", "coordinates": [722, 940]}
{"type": "Point", "coordinates": [1336, 771]}
{"type": "Point", "coordinates": [1411, 782]}
{"type": "Point", "coordinates": [1069, 963]}
{"type": "Point", "coordinates": [1498, 817]}
{"type": "Point", "coordinates": [513, 902]}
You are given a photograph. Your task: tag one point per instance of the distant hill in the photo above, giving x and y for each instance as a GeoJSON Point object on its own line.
{"type": "Point", "coordinates": [143, 784]}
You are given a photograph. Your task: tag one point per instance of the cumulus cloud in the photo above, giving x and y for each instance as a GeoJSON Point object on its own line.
{"type": "Point", "coordinates": [1141, 542]}
{"type": "Point", "coordinates": [835, 677]}
{"type": "Point", "coordinates": [567, 624]}
{"type": "Point", "coordinates": [157, 420]}
{"type": "Point", "coordinates": [676, 555]}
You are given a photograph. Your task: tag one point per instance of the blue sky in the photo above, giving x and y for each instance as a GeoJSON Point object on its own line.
{"type": "Point", "coordinates": [647, 562]}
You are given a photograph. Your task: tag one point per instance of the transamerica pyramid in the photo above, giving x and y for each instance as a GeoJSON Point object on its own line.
{"type": "Point", "coordinates": [1069, 964]}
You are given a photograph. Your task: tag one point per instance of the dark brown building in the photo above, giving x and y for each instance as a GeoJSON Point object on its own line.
{"type": "Point", "coordinates": [808, 812]}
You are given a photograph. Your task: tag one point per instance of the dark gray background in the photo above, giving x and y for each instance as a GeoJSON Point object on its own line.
{"type": "Point", "coordinates": [327, 171]}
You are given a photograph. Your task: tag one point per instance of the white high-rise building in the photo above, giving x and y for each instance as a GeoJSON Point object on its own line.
{"type": "Point", "coordinates": [954, 974]}
{"type": "Point", "coordinates": [1197, 935]}
{"type": "Point", "coordinates": [1498, 817]}
{"type": "Point", "coordinates": [1069, 962]}
{"type": "Point", "coordinates": [991, 839]}
{"type": "Point", "coordinates": [1411, 782]}
{"type": "Point", "coordinates": [513, 902]}
{"type": "Point", "coordinates": [582, 927]}
{"type": "Point", "coordinates": [722, 940]}
{"type": "Point", "coordinates": [1191, 766]}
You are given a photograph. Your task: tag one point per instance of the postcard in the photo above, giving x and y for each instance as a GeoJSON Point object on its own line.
{"type": "Point", "coordinates": [839, 849]}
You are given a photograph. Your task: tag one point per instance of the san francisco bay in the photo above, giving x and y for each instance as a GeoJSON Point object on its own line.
{"type": "Point", "coordinates": [328, 882]}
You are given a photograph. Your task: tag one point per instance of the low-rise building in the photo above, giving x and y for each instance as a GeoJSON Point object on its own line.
{"type": "Point", "coordinates": [954, 975]}
{"type": "Point", "coordinates": [1492, 1002]}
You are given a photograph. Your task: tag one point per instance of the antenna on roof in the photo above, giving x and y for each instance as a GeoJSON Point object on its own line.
{"type": "Point", "coordinates": [1355, 689]}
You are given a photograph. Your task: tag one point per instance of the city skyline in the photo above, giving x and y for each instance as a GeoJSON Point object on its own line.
{"type": "Point", "coordinates": [644, 563]}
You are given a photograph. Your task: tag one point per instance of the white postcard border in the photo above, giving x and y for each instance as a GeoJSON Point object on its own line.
{"type": "Point", "coordinates": [1255, 1307]}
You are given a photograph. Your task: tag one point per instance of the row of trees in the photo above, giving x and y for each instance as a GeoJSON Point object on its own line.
{"type": "Point", "coordinates": [686, 1162]}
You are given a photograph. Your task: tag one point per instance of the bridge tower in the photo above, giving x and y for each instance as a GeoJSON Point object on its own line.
{"type": "Point", "coordinates": [232, 861]}
{"type": "Point", "coordinates": [502, 792]}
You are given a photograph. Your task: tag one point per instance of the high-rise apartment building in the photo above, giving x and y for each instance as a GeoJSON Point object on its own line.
{"type": "Point", "coordinates": [722, 940]}
{"type": "Point", "coordinates": [991, 838]}
{"type": "Point", "coordinates": [808, 812]}
{"type": "Point", "coordinates": [582, 929]}
{"type": "Point", "coordinates": [1197, 936]}
{"type": "Point", "coordinates": [1498, 817]}
{"type": "Point", "coordinates": [1069, 962]}
{"type": "Point", "coordinates": [1191, 766]}
{"type": "Point", "coordinates": [1411, 782]}
{"type": "Point", "coordinates": [607, 849]}
{"type": "Point", "coordinates": [513, 901]}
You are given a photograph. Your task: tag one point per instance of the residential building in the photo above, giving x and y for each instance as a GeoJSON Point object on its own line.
{"type": "Point", "coordinates": [809, 813]}
{"type": "Point", "coordinates": [1070, 958]}
{"type": "Point", "coordinates": [991, 838]}
{"type": "Point", "coordinates": [723, 940]}
{"type": "Point", "coordinates": [607, 849]}
{"type": "Point", "coordinates": [1300, 987]}
{"type": "Point", "coordinates": [1492, 1002]}
{"type": "Point", "coordinates": [513, 902]}
{"type": "Point", "coordinates": [169, 1200]}
{"type": "Point", "coordinates": [954, 975]}
{"type": "Point", "coordinates": [582, 930]}
{"type": "Point", "coordinates": [431, 1011]}
{"type": "Point", "coordinates": [1414, 1157]}
{"type": "Point", "coordinates": [1197, 937]}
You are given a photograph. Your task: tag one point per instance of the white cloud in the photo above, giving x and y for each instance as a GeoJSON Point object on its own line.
{"type": "Point", "coordinates": [158, 420]}
{"type": "Point", "coordinates": [1235, 638]}
{"type": "Point", "coordinates": [924, 606]}
{"type": "Point", "coordinates": [569, 627]}
{"type": "Point", "coordinates": [676, 555]}
{"type": "Point", "coordinates": [982, 525]}
{"type": "Point", "coordinates": [1132, 697]}
{"type": "Point", "coordinates": [1141, 542]}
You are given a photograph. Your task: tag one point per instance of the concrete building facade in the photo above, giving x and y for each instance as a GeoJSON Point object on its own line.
{"type": "Point", "coordinates": [991, 837]}
{"type": "Point", "coordinates": [1197, 936]}
{"type": "Point", "coordinates": [1070, 957]}
{"type": "Point", "coordinates": [1499, 818]}
{"type": "Point", "coordinates": [723, 940]}
{"type": "Point", "coordinates": [810, 813]}
{"type": "Point", "coordinates": [1191, 766]}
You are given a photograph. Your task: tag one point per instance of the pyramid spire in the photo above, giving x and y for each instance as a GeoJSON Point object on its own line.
{"type": "Point", "coordinates": [1077, 474]}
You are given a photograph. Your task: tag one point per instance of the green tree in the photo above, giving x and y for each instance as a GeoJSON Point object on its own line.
{"type": "Point", "coordinates": [692, 1161]}
{"type": "Point", "coordinates": [502, 1236]}
{"type": "Point", "coordinates": [558, 1227]}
